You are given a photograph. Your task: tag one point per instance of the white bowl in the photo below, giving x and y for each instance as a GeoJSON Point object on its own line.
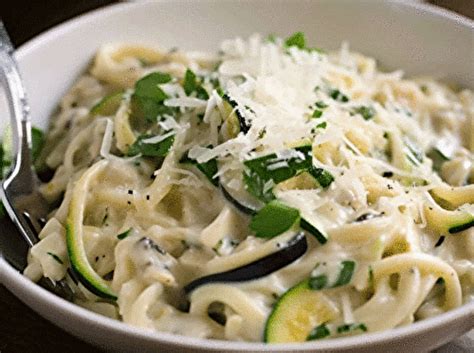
{"type": "Point", "coordinates": [417, 38]}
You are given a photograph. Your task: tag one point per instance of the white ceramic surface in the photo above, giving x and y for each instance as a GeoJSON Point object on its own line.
{"type": "Point", "coordinates": [417, 38]}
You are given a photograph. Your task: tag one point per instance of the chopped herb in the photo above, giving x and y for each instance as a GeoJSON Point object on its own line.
{"type": "Point", "coordinates": [209, 168]}
{"type": "Point", "coordinates": [323, 177]}
{"type": "Point", "coordinates": [148, 98]}
{"type": "Point", "coordinates": [440, 241]}
{"type": "Point", "coordinates": [158, 149]}
{"type": "Point", "coordinates": [318, 332]}
{"type": "Point", "coordinates": [296, 40]}
{"type": "Point", "coordinates": [351, 327]}
{"type": "Point", "coordinates": [318, 282]}
{"type": "Point", "coordinates": [321, 105]}
{"type": "Point", "coordinates": [124, 234]}
{"type": "Point", "coordinates": [273, 219]}
{"type": "Point", "coordinates": [346, 273]}
{"type": "Point", "coordinates": [323, 125]}
{"type": "Point", "coordinates": [387, 174]}
{"type": "Point", "coordinates": [317, 113]}
{"type": "Point", "coordinates": [56, 258]}
{"type": "Point", "coordinates": [192, 84]}
{"type": "Point", "coordinates": [263, 172]}
{"type": "Point", "coordinates": [366, 112]}
{"type": "Point", "coordinates": [424, 89]}
{"type": "Point", "coordinates": [338, 96]}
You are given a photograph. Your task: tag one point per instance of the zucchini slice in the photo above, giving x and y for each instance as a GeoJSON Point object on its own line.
{"type": "Point", "coordinates": [296, 313]}
{"type": "Point", "coordinates": [291, 251]}
{"type": "Point", "coordinates": [448, 222]}
{"type": "Point", "coordinates": [234, 121]}
{"type": "Point", "coordinates": [239, 197]}
{"type": "Point", "coordinates": [108, 105]}
{"type": "Point", "coordinates": [74, 236]}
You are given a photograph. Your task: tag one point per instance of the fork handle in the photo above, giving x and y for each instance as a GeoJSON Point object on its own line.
{"type": "Point", "coordinates": [19, 118]}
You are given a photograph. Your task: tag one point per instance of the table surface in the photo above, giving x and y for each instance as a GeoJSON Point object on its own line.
{"type": "Point", "coordinates": [22, 330]}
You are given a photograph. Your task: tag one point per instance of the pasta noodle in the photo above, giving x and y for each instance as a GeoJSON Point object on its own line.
{"type": "Point", "coordinates": [165, 163]}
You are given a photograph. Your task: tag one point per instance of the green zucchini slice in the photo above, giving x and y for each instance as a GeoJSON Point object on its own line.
{"type": "Point", "coordinates": [74, 237]}
{"type": "Point", "coordinates": [296, 313]}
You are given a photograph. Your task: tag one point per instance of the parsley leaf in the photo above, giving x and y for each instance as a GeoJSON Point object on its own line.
{"type": "Point", "coordinates": [318, 282]}
{"type": "Point", "coordinates": [338, 96]}
{"type": "Point", "coordinates": [296, 40]}
{"type": "Point", "coordinates": [320, 331]}
{"type": "Point", "coordinates": [346, 273]}
{"type": "Point", "coordinates": [191, 84]}
{"type": "Point", "coordinates": [209, 168]}
{"type": "Point", "coordinates": [124, 234]}
{"type": "Point", "coordinates": [351, 327]}
{"type": "Point", "coordinates": [317, 113]}
{"type": "Point", "coordinates": [263, 172]}
{"type": "Point", "coordinates": [366, 112]}
{"type": "Point", "coordinates": [148, 98]}
{"type": "Point", "coordinates": [273, 219]}
{"type": "Point", "coordinates": [150, 149]}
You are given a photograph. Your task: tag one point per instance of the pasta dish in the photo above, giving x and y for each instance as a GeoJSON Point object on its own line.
{"type": "Point", "coordinates": [269, 192]}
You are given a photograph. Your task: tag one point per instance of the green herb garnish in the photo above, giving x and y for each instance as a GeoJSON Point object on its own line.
{"type": "Point", "coordinates": [148, 98]}
{"type": "Point", "coordinates": [125, 234]}
{"type": "Point", "coordinates": [321, 105]}
{"type": "Point", "coordinates": [209, 168]}
{"type": "Point", "coordinates": [351, 327]}
{"type": "Point", "coordinates": [192, 84]}
{"type": "Point", "coordinates": [317, 113]}
{"type": "Point", "coordinates": [366, 112]}
{"type": "Point", "coordinates": [346, 273]}
{"type": "Point", "coordinates": [150, 149]}
{"type": "Point", "coordinates": [273, 219]}
{"type": "Point", "coordinates": [338, 96]}
{"type": "Point", "coordinates": [320, 331]}
{"type": "Point", "coordinates": [263, 172]}
{"type": "Point", "coordinates": [318, 282]}
{"type": "Point", "coordinates": [322, 125]}
{"type": "Point", "coordinates": [296, 40]}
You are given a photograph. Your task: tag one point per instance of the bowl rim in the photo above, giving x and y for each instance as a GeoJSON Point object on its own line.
{"type": "Point", "coordinates": [14, 279]}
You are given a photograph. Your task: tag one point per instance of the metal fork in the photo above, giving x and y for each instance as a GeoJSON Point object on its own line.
{"type": "Point", "coordinates": [19, 191]}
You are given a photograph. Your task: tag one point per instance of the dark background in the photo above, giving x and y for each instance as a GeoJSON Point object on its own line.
{"type": "Point", "coordinates": [21, 330]}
